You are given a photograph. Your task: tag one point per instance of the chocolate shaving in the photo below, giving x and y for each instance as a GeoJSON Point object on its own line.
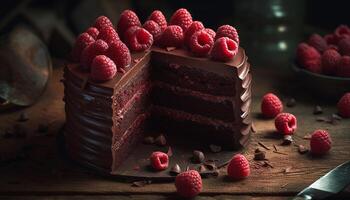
{"type": "Point", "coordinates": [160, 140]}
{"type": "Point", "coordinates": [302, 149]}
{"type": "Point", "coordinates": [323, 119]}
{"type": "Point", "coordinates": [278, 152]}
{"type": "Point", "coordinates": [274, 146]}
{"type": "Point", "coordinates": [202, 168]}
{"type": "Point", "coordinates": [263, 145]}
{"type": "Point", "coordinates": [287, 170]}
{"type": "Point", "coordinates": [170, 48]}
{"type": "Point", "coordinates": [215, 148]}
{"type": "Point", "coordinates": [318, 110]}
{"type": "Point", "coordinates": [170, 152]}
{"type": "Point", "coordinates": [23, 117]}
{"type": "Point", "coordinates": [210, 165]}
{"type": "Point", "coordinates": [284, 185]}
{"type": "Point", "coordinates": [148, 140]}
{"type": "Point", "coordinates": [175, 170]}
{"type": "Point", "coordinates": [267, 164]}
{"type": "Point", "coordinates": [291, 102]}
{"type": "Point", "coordinates": [198, 156]}
{"type": "Point", "coordinates": [259, 155]}
{"type": "Point", "coordinates": [336, 116]}
{"type": "Point", "coordinates": [287, 140]}
{"type": "Point", "coordinates": [140, 183]}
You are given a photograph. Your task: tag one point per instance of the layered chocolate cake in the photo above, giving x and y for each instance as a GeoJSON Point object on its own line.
{"type": "Point", "coordinates": [167, 89]}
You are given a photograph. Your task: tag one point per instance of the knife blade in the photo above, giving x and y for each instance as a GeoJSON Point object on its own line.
{"type": "Point", "coordinates": [328, 185]}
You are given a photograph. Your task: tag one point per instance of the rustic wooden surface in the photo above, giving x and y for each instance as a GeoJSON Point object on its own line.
{"type": "Point", "coordinates": [34, 167]}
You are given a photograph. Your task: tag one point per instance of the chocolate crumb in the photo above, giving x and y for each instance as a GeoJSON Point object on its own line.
{"type": "Point", "coordinates": [148, 140]}
{"type": "Point", "coordinates": [160, 140]}
{"type": "Point", "coordinates": [291, 102]}
{"type": "Point", "coordinates": [170, 152]}
{"type": "Point", "coordinates": [284, 185]}
{"type": "Point", "coordinates": [140, 183]}
{"type": "Point", "coordinates": [175, 170]}
{"type": "Point", "coordinates": [259, 155]}
{"type": "Point", "coordinates": [318, 110]}
{"type": "Point", "coordinates": [215, 148]}
{"type": "Point", "coordinates": [287, 170]}
{"type": "Point", "coordinates": [170, 48]}
{"type": "Point", "coordinates": [323, 119]}
{"type": "Point", "coordinates": [336, 116]}
{"type": "Point", "coordinates": [302, 149]}
{"type": "Point", "coordinates": [287, 140]}
{"type": "Point", "coordinates": [202, 168]}
{"type": "Point", "coordinates": [198, 156]}
{"type": "Point", "coordinates": [210, 165]}
{"type": "Point", "coordinates": [23, 117]}
{"type": "Point", "coordinates": [275, 147]}
{"type": "Point", "coordinates": [263, 145]}
{"type": "Point", "coordinates": [307, 137]}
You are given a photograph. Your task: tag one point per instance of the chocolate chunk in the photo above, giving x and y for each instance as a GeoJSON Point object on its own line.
{"type": "Point", "coordinates": [259, 155]}
{"type": "Point", "coordinates": [202, 168]}
{"type": "Point", "coordinates": [318, 110]}
{"type": "Point", "coordinates": [302, 149]}
{"type": "Point", "coordinates": [23, 117]}
{"type": "Point", "coordinates": [215, 148]}
{"type": "Point", "coordinates": [175, 170]}
{"type": "Point", "coordinates": [198, 156]}
{"type": "Point", "coordinates": [148, 140]}
{"type": "Point", "coordinates": [287, 140]}
{"type": "Point", "coordinates": [160, 140]}
{"type": "Point", "coordinates": [210, 165]}
{"type": "Point", "coordinates": [291, 102]}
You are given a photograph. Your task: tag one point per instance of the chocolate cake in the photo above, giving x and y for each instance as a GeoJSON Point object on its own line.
{"type": "Point", "coordinates": [168, 90]}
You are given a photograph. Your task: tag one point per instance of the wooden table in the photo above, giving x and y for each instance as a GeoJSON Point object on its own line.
{"type": "Point", "coordinates": [33, 167]}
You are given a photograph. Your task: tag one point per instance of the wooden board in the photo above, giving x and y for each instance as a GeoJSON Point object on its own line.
{"type": "Point", "coordinates": [34, 165]}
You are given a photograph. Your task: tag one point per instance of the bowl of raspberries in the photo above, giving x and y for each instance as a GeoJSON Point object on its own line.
{"type": "Point", "coordinates": [323, 62]}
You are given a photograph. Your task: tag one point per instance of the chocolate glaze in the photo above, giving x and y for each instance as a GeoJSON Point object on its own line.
{"type": "Point", "coordinates": [92, 129]}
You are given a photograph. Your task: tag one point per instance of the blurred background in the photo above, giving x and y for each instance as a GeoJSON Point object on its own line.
{"type": "Point", "coordinates": [33, 32]}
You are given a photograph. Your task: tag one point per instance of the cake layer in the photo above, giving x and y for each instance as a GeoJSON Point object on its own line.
{"type": "Point", "coordinates": [193, 102]}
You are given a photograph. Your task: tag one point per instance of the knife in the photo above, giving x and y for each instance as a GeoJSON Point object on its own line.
{"type": "Point", "coordinates": [328, 185]}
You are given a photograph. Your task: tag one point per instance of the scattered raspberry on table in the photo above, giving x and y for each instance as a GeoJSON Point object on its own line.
{"type": "Point", "coordinates": [188, 184]}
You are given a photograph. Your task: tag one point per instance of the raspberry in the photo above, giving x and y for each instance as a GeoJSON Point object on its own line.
{"type": "Point", "coordinates": [344, 46]}
{"type": "Point", "coordinates": [238, 168]}
{"type": "Point", "coordinates": [120, 55]}
{"type": "Point", "coordinates": [127, 19]}
{"type": "Point", "coordinates": [314, 66]}
{"type": "Point", "coordinates": [139, 40]}
{"type": "Point", "coordinates": [341, 32]}
{"type": "Point", "coordinates": [201, 43]}
{"type": "Point", "coordinates": [159, 18]}
{"type": "Point", "coordinates": [188, 184]}
{"type": "Point", "coordinates": [195, 26]}
{"type": "Point", "coordinates": [271, 105]}
{"type": "Point", "coordinates": [318, 42]}
{"type": "Point", "coordinates": [330, 61]}
{"type": "Point", "coordinates": [343, 68]}
{"type": "Point", "coordinates": [159, 160]}
{"type": "Point", "coordinates": [173, 36]}
{"type": "Point", "coordinates": [344, 106]}
{"type": "Point", "coordinates": [93, 32]}
{"type": "Point", "coordinates": [227, 31]}
{"type": "Point", "coordinates": [108, 34]}
{"type": "Point", "coordinates": [306, 53]}
{"type": "Point", "coordinates": [153, 28]}
{"type": "Point", "coordinates": [102, 68]}
{"type": "Point", "coordinates": [182, 18]}
{"type": "Point", "coordinates": [99, 47]}
{"type": "Point", "coordinates": [211, 32]}
{"type": "Point", "coordinates": [81, 43]}
{"type": "Point", "coordinates": [320, 142]}
{"type": "Point", "coordinates": [332, 46]}
{"type": "Point", "coordinates": [224, 49]}
{"type": "Point", "coordinates": [101, 22]}
{"type": "Point", "coordinates": [330, 39]}
{"type": "Point", "coordinates": [286, 123]}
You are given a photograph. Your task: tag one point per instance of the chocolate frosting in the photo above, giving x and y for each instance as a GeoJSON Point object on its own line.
{"type": "Point", "coordinates": [89, 109]}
